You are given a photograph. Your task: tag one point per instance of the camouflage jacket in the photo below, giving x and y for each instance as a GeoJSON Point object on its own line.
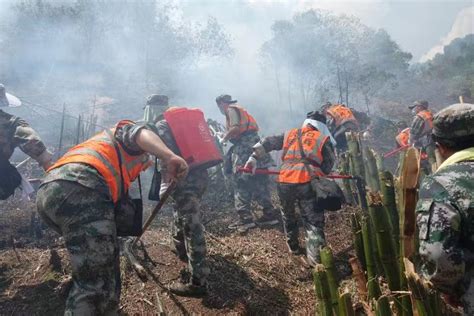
{"type": "Point", "coordinates": [271, 143]}
{"type": "Point", "coordinates": [445, 219]}
{"type": "Point", "coordinates": [15, 132]}
{"type": "Point", "coordinates": [418, 132]}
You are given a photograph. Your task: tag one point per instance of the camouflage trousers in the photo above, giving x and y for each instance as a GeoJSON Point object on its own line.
{"type": "Point", "coordinates": [86, 220]}
{"type": "Point", "coordinates": [311, 214]}
{"type": "Point", "coordinates": [249, 187]}
{"type": "Point", "coordinates": [187, 230]}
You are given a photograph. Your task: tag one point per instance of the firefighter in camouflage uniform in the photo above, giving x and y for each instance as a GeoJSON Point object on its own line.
{"type": "Point", "coordinates": [187, 228]}
{"type": "Point", "coordinates": [79, 198]}
{"type": "Point", "coordinates": [420, 131]}
{"type": "Point", "coordinates": [15, 132]}
{"type": "Point", "coordinates": [307, 154]}
{"type": "Point", "coordinates": [445, 210]}
{"type": "Point", "coordinates": [242, 132]}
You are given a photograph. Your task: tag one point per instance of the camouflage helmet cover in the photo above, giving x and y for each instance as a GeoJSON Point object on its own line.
{"type": "Point", "coordinates": [157, 99]}
{"type": "Point", "coordinates": [422, 103]}
{"type": "Point", "coordinates": [456, 122]}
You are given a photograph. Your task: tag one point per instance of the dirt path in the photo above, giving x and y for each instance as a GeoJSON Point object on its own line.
{"type": "Point", "coordinates": [250, 274]}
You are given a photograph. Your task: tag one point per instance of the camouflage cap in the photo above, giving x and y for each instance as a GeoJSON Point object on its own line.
{"type": "Point", "coordinates": [454, 122]}
{"type": "Point", "coordinates": [325, 106]}
{"type": "Point", "coordinates": [422, 103]}
{"type": "Point", "coordinates": [225, 98]}
{"type": "Point", "coordinates": [157, 99]}
{"type": "Point", "coordinates": [316, 115]}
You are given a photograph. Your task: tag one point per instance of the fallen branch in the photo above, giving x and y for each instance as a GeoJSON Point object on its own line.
{"type": "Point", "coordinates": [132, 260]}
{"type": "Point", "coordinates": [159, 305]}
{"type": "Point", "coordinates": [12, 240]}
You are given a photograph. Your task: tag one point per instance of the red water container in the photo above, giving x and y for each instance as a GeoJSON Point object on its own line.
{"type": "Point", "coordinates": [193, 137]}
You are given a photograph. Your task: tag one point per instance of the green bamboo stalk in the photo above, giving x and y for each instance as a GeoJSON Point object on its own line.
{"type": "Point", "coordinates": [328, 262]}
{"type": "Point", "coordinates": [379, 161]}
{"type": "Point", "coordinates": [372, 284]}
{"type": "Point", "coordinates": [356, 153]}
{"type": "Point", "coordinates": [345, 305]}
{"type": "Point", "coordinates": [345, 169]}
{"type": "Point", "coordinates": [419, 296]}
{"type": "Point", "coordinates": [358, 241]}
{"type": "Point", "coordinates": [386, 246]}
{"type": "Point", "coordinates": [387, 189]}
{"type": "Point", "coordinates": [323, 293]}
{"type": "Point", "coordinates": [435, 302]}
{"type": "Point", "coordinates": [372, 173]}
{"type": "Point", "coordinates": [385, 243]}
{"type": "Point", "coordinates": [405, 299]}
{"type": "Point", "coordinates": [358, 184]}
{"type": "Point", "coordinates": [383, 307]}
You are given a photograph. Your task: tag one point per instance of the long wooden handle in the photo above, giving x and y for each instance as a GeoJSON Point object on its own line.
{"type": "Point", "coordinates": [155, 211]}
{"type": "Point", "coordinates": [396, 150]}
{"type": "Point", "coordinates": [273, 172]}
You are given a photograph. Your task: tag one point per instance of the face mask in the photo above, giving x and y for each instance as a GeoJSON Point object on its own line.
{"type": "Point", "coordinates": [413, 111]}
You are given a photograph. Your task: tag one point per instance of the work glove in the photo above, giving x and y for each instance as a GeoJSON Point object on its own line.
{"type": "Point", "coordinates": [223, 142]}
{"type": "Point", "coordinates": [251, 164]}
{"type": "Point", "coordinates": [258, 150]}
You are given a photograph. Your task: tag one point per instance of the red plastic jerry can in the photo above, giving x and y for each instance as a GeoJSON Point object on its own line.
{"type": "Point", "coordinates": [193, 137]}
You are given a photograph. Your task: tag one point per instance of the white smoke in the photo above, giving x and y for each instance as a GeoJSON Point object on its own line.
{"type": "Point", "coordinates": [462, 26]}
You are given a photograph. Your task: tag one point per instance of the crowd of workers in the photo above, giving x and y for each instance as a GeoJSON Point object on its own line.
{"type": "Point", "coordinates": [85, 189]}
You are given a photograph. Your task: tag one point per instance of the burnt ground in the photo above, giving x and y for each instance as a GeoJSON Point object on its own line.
{"type": "Point", "coordinates": [250, 274]}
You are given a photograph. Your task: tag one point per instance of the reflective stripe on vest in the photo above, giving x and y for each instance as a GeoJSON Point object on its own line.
{"type": "Point", "coordinates": [341, 114]}
{"type": "Point", "coordinates": [403, 137]}
{"type": "Point", "coordinates": [427, 117]}
{"type": "Point", "coordinates": [99, 152]}
{"type": "Point", "coordinates": [293, 169]}
{"type": "Point", "coordinates": [246, 121]}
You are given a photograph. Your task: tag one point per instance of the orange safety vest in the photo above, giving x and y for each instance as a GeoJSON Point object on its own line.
{"type": "Point", "coordinates": [341, 114]}
{"type": "Point", "coordinates": [427, 117]}
{"type": "Point", "coordinates": [403, 137]}
{"type": "Point", "coordinates": [293, 169]}
{"type": "Point", "coordinates": [246, 121]}
{"type": "Point", "coordinates": [99, 152]}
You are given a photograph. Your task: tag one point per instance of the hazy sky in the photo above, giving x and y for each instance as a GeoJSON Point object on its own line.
{"type": "Point", "coordinates": [417, 25]}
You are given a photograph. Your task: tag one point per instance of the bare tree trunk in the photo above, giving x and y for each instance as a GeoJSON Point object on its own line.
{"type": "Point", "coordinates": [60, 145]}
{"type": "Point", "coordinates": [347, 86]}
{"type": "Point", "coordinates": [367, 102]}
{"type": "Point", "coordinates": [277, 80]}
{"type": "Point", "coordinates": [289, 92]}
{"type": "Point", "coordinates": [78, 132]}
{"type": "Point", "coordinates": [339, 83]}
{"type": "Point", "coordinates": [303, 94]}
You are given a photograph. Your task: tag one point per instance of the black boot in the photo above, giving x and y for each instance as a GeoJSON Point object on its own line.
{"type": "Point", "coordinates": [267, 219]}
{"type": "Point", "coordinates": [188, 289]}
{"type": "Point", "coordinates": [295, 249]}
